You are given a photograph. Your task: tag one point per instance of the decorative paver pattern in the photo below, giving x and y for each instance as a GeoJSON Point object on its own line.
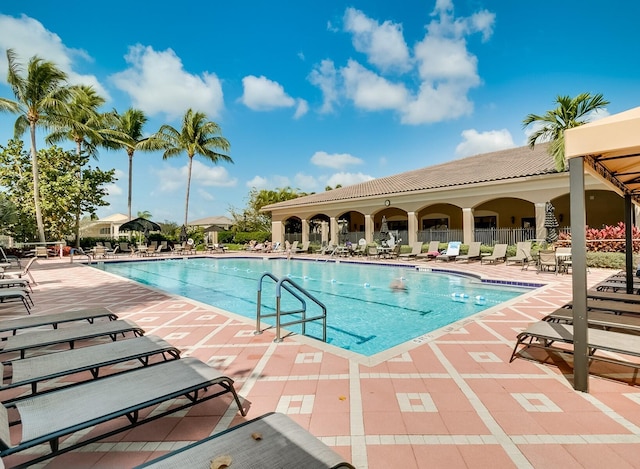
{"type": "Point", "coordinates": [450, 399]}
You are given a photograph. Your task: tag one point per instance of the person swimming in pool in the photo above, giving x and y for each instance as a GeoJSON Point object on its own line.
{"type": "Point", "coordinates": [397, 284]}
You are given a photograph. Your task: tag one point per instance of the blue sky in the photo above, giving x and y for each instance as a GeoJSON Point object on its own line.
{"type": "Point", "coordinates": [311, 94]}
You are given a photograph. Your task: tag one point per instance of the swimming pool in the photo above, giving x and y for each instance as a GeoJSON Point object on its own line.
{"type": "Point", "coordinates": [364, 314]}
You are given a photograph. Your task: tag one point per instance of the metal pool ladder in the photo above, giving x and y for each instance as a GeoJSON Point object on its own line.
{"type": "Point", "coordinates": [297, 292]}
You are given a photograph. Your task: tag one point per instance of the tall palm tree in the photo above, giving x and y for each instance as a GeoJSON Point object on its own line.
{"type": "Point", "coordinates": [198, 136]}
{"type": "Point", "coordinates": [42, 97]}
{"type": "Point", "coordinates": [83, 125]}
{"type": "Point", "coordinates": [127, 133]}
{"type": "Point", "coordinates": [571, 112]}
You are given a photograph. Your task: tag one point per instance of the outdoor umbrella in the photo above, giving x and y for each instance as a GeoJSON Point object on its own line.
{"type": "Point", "coordinates": [183, 234]}
{"type": "Point", "coordinates": [344, 230]}
{"type": "Point", "coordinates": [141, 225]}
{"type": "Point", "coordinates": [384, 231]}
{"type": "Point", "coordinates": [551, 223]}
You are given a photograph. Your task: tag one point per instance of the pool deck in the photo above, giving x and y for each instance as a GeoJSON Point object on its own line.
{"type": "Point", "coordinates": [450, 399]}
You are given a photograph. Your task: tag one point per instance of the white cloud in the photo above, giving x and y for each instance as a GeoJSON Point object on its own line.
{"type": "Point", "coordinates": [204, 195]}
{"type": "Point", "coordinates": [113, 189]}
{"type": "Point", "coordinates": [301, 109]}
{"type": "Point", "coordinates": [258, 182]}
{"type": "Point", "coordinates": [325, 77]}
{"type": "Point", "coordinates": [347, 179]}
{"type": "Point", "coordinates": [272, 182]}
{"type": "Point", "coordinates": [306, 182]}
{"type": "Point", "coordinates": [171, 179]}
{"type": "Point", "coordinates": [475, 142]}
{"type": "Point", "coordinates": [437, 103]}
{"type": "Point", "coordinates": [153, 74]}
{"type": "Point", "coordinates": [262, 94]}
{"type": "Point", "coordinates": [335, 160]}
{"type": "Point", "coordinates": [370, 91]}
{"type": "Point", "coordinates": [383, 44]}
{"type": "Point", "coordinates": [28, 37]}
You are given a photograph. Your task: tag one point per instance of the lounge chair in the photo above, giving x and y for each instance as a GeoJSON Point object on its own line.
{"type": "Point", "coordinates": [372, 252]}
{"type": "Point", "coordinates": [544, 334]}
{"type": "Point", "coordinates": [547, 261]}
{"type": "Point", "coordinates": [616, 307]}
{"type": "Point", "coordinates": [26, 272]}
{"type": "Point", "coordinates": [30, 340]}
{"type": "Point", "coordinates": [283, 444]}
{"type": "Point", "coordinates": [16, 294]}
{"type": "Point", "coordinates": [13, 325]}
{"type": "Point", "coordinates": [21, 283]}
{"type": "Point", "coordinates": [46, 418]}
{"type": "Point", "coordinates": [10, 259]}
{"type": "Point", "coordinates": [619, 297]}
{"type": "Point", "coordinates": [41, 251]}
{"type": "Point", "coordinates": [453, 250]}
{"type": "Point", "coordinates": [472, 254]}
{"type": "Point", "coordinates": [304, 249]}
{"type": "Point", "coordinates": [361, 248]}
{"type": "Point", "coordinates": [499, 254]}
{"type": "Point", "coordinates": [416, 248]}
{"type": "Point", "coordinates": [33, 370]}
{"type": "Point", "coordinates": [432, 250]}
{"type": "Point", "coordinates": [605, 320]}
{"type": "Point", "coordinates": [523, 254]}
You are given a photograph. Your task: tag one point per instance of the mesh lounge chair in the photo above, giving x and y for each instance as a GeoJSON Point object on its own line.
{"type": "Point", "coordinates": [547, 261]}
{"type": "Point", "coordinates": [16, 294]}
{"type": "Point", "coordinates": [499, 254]}
{"type": "Point", "coordinates": [29, 340]}
{"type": "Point", "coordinates": [304, 249]}
{"type": "Point", "coordinates": [523, 254]}
{"type": "Point", "coordinates": [31, 371]}
{"type": "Point", "coordinates": [416, 248]}
{"type": "Point", "coordinates": [21, 283]}
{"type": "Point", "coordinates": [472, 254]}
{"type": "Point", "coordinates": [601, 319]}
{"type": "Point", "coordinates": [22, 273]}
{"type": "Point", "coordinates": [284, 444]}
{"type": "Point", "coordinates": [47, 417]}
{"type": "Point", "coordinates": [432, 250]}
{"type": "Point", "coordinates": [545, 334]}
{"type": "Point", "coordinates": [453, 250]}
{"type": "Point", "coordinates": [13, 325]}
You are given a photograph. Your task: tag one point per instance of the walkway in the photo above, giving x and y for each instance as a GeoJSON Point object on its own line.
{"type": "Point", "coordinates": [448, 400]}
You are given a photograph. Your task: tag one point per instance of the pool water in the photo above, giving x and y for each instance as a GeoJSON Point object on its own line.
{"type": "Point", "coordinates": [364, 314]}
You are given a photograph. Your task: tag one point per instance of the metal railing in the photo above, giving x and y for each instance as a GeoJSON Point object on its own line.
{"type": "Point", "coordinates": [297, 292]}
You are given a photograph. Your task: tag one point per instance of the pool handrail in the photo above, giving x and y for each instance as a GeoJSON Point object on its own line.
{"type": "Point", "coordinates": [291, 287]}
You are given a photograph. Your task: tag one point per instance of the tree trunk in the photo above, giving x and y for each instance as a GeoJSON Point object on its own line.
{"type": "Point", "coordinates": [78, 208]}
{"type": "Point", "coordinates": [186, 209]}
{"type": "Point", "coordinates": [130, 154]}
{"type": "Point", "coordinates": [36, 182]}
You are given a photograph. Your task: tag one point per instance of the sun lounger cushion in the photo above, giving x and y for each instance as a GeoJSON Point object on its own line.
{"type": "Point", "coordinates": [281, 444]}
{"type": "Point", "coordinates": [31, 371]}
{"type": "Point", "coordinates": [54, 319]}
{"type": "Point", "coordinates": [49, 416]}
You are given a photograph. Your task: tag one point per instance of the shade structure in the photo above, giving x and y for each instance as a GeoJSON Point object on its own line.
{"type": "Point", "coordinates": [140, 224]}
{"type": "Point", "coordinates": [609, 149]}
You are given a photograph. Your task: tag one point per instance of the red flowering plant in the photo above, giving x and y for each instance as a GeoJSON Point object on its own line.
{"type": "Point", "coordinates": [606, 239]}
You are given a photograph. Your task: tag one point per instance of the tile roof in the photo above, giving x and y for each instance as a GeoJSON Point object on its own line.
{"type": "Point", "coordinates": [495, 166]}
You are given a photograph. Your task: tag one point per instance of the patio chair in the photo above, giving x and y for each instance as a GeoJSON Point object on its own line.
{"type": "Point", "coordinates": [41, 251]}
{"type": "Point", "coordinates": [33, 370]}
{"type": "Point", "coordinates": [453, 250]}
{"type": "Point", "coordinates": [523, 254]}
{"type": "Point", "coordinates": [432, 251]}
{"type": "Point", "coordinates": [361, 248]}
{"type": "Point", "coordinates": [10, 259]}
{"type": "Point", "coordinates": [13, 325]}
{"type": "Point", "coordinates": [416, 248]}
{"type": "Point", "coordinates": [499, 254]}
{"type": "Point", "coordinates": [547, 261]}
{"type": "Point", "coordinates": [545, 334]}
{"type": "Point", "coordinates": [372, 252]}
{"type": "Point", "coordinates": [47, 417]}
{"type": "Point", "coordinates": [472, 254]}
{"type": "Point", "coordinates": [283, 444]}
{"type": "Point", "coordinates": [600, 319]}
{"type": "Point", "coordinates": [304, 249]}
{"type": "Point", "coordinates": [617, 297]}
{"type": "Point", "coordinates": [30, 340]}
{"type": "Point", "coordinates": [21, 283]}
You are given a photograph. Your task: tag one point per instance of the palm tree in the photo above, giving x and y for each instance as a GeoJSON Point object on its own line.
{"type": "Point", "coordinates": [42, 96]}
{"type": "Point", "coordinates": [83, 125]}
{"type": "Point", "coordinates": [126, 133]}
{"type": "Point", "coordinates": [146, 215]}
{"type": "Point", "coordinates": [571, 112]}
{"type": "Point", "coordinates": [198, 136]}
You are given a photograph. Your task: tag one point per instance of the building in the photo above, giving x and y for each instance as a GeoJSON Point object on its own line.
{"type": "Point", "coordinates": [493, 197]}
{"type": "Point", "coordinates": [107, 227]}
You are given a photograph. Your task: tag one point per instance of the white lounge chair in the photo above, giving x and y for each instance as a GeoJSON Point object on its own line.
{"type": "Point", "coordinates": [453, 250]}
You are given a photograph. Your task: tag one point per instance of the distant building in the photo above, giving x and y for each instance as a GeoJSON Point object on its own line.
{"type": "Point", "coordinates": [107, 227]}
{"type": "Point", "coordinates": [212, 225]}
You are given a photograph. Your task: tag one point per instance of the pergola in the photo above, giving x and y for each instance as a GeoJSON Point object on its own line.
{"type": "Point", "coordinates": [609, 149]}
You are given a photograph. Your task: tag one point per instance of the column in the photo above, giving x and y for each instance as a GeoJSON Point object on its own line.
{"type": "Point", "coordinates": [305, 230]}
{"type": "Point", "coordinates": [324, 230]}
{"type": "Point", "coordinates": [412, 234]}
{"type": "Point", "coordinates": [368, 229]}
{"type": "Point", "coordinates": [277, 232]}
{"type": "Point", "coordinates": [541, 231]}
{"type": "Point", "coordinates": [468, 224]}
{"type": "Point", "coordinates": [334, 230]}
